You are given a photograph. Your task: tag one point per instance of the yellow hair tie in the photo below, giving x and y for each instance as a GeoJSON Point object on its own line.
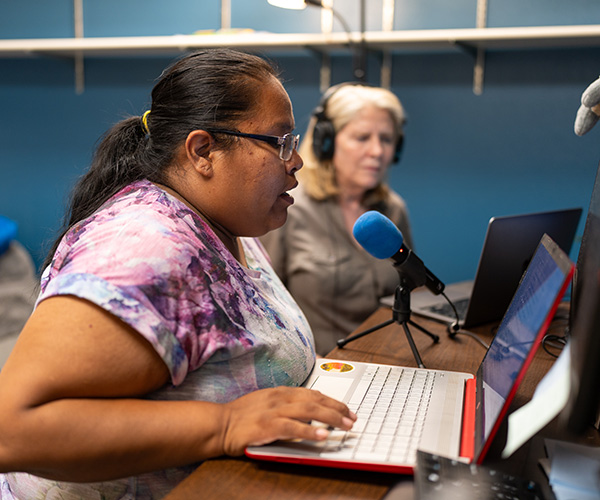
{"type": "Point", "coordinates": [145, 121]}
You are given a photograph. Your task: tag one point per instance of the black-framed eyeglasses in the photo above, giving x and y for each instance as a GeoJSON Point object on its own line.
{"type": "Point", "coordinates": [287, 144]}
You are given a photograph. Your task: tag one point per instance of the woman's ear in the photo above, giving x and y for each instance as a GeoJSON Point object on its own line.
{"type": "Point", "coordinates": [198, 146]}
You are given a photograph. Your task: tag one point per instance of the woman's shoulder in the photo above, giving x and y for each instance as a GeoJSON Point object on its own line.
{"type": "Point", "coordinates": [394, 201]}
{"type": "Point", "coordinates": [310, 215]}
{"type": "Point", "coordinates": [396, 209]}
{"type": "Point", "coordinates": [144, 203]}
{"type": "Point", "coordinates": [392, 205]}
{"type": "Point", "coordinates": [143, 221]}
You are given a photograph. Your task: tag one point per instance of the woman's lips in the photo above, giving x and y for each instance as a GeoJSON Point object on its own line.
{"type": "Point", "coordinates": [287, 198]}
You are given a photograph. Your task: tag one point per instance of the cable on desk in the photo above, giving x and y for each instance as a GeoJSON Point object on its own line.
{"type": "Point", "coordinates": [454, 328]}
{"type": "Point", "coordinates": [557, 342]}
{"type": "Point", "coordinates": [473, 336]}
{"type": "Point", "coordinates": [553, 343]}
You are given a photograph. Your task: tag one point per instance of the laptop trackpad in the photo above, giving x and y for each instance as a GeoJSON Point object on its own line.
{"type": "Point", "coordinates": [333, 387]}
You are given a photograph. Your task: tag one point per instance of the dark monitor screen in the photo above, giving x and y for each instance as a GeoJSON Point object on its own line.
{"type": "Point", "coordinates": [587, 239]}
{"type": "Point", "coordinates": [584, 332]}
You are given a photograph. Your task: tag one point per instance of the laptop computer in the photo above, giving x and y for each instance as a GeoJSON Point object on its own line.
{"type": "Point", "coordinates": [456, 414]}
{"type": "Point", "coordinates": [507, 249]}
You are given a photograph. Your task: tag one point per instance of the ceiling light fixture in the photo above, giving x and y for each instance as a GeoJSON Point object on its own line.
{"type": "Point", "coordinates": [360, 73]}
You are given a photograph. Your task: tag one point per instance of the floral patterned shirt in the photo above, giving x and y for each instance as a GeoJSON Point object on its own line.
{"type": "Point", "coordinates": [222, 329]}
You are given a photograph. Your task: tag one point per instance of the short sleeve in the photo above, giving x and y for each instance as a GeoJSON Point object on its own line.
{"type": "Point", "coordinates": [149, 269]}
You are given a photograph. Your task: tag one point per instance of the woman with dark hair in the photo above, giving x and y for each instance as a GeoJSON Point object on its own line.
{"type": "Point", "coordinates": [162, 336]}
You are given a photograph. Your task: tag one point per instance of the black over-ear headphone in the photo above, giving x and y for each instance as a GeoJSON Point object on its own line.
{"type": "Point", "coordinates": [324, 132]}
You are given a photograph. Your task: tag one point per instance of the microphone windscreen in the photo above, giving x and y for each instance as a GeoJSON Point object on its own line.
{"type": "Point", "coordinates": [377, 234]}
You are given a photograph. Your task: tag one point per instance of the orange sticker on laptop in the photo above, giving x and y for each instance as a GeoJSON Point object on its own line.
{"type": "Point", "coordinates": [336, 367]}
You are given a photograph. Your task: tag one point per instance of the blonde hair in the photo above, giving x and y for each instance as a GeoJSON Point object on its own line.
{"type": "Point", "coordinates": [341, 107]}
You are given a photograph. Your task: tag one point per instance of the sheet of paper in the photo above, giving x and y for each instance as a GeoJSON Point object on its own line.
{"type": "Point", "coordinates": [549, 399]}
{"type": "Point", "coordinates": [575, 470]}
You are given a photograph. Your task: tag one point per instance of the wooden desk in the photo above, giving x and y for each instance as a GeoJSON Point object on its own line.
{"type": "Point", "coordinates": [242, 478]}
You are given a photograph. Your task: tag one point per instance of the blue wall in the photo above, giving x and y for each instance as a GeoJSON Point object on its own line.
{"type": "Point", "coordinates": [467, 158]}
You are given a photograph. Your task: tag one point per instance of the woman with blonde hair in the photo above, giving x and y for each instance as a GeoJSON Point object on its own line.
{"type": "Point", "coordinates": [354, 135]}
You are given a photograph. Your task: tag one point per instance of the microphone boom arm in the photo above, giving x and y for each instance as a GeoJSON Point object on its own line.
{"type": "Point", "coordinates": [415, 273]}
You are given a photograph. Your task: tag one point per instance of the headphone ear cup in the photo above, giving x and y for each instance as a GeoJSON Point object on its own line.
{"type": "Point", "coordinates": [323, 139]}
{"type": "Point", "coordinates": [399, 146]}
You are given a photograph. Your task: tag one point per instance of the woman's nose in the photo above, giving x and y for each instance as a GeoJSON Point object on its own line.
{"type": "Point", "coordinates": [294, 163]}
{"type": "Point", "coordinates": [376, 146]}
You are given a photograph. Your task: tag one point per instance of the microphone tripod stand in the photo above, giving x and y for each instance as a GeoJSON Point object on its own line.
{"type": "Point", "coordinates": [401, 315]}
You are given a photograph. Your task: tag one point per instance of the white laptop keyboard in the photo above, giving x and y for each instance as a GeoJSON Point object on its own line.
{"type": "Point", "coordinates": [391, 405]}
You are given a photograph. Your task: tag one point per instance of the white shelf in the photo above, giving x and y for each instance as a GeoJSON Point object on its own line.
{"type": "Point", "coordinates": [484, 38]}
{"type": "Point", "coordinates": [490, 38]}
{"type": "Point", "coordinates": [151, 45]}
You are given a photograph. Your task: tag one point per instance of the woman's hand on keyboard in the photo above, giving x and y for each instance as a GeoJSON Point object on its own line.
{"type": "Point", "coordinates": [267, 415]}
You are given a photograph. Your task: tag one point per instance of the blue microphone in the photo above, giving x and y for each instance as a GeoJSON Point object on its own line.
{"type": "Point", "coordinates": [379, 236]}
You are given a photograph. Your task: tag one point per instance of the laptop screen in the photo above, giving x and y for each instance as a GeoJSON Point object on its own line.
{"type": "Point", "coordinates": [518, 335]}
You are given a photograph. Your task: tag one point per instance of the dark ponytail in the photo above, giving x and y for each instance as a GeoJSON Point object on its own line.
{"type": "Point", "coordinates": [209, 89]}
